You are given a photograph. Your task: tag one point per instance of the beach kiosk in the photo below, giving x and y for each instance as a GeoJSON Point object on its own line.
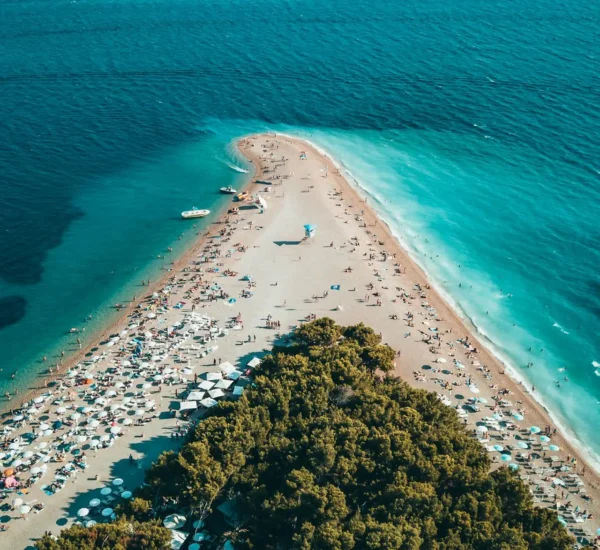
{"type": "Point", "coordinates": [309, 231]}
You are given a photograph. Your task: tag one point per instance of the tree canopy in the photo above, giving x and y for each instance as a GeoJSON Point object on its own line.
{"type": "Point", "coordinates": [322, 452]}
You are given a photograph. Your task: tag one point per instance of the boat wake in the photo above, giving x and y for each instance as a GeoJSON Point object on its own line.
{"type": "Point", "coordinates": [237, 168]}
{"type": "Point", "coordinates": [560, 328]}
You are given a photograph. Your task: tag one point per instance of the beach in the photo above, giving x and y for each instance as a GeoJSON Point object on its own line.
{"type": "Point", "coordinates": [314, 247]}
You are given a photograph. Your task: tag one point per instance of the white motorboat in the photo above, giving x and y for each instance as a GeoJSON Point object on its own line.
{"type": "Point", "coordinates": [194, 213]}
{"type": "Point", "coordinates": [228, 190]}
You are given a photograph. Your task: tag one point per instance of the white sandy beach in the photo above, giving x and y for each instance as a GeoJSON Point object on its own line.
{"type": "Point", "coordinates": [291, 278]}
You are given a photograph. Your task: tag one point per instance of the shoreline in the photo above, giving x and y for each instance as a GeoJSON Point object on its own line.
{"type": "Point", "coordinates": [577, 447]}
{"type": "Point", "coordinates": [116, 320]}
{"type": "Point", "coordinates": [592, 473]}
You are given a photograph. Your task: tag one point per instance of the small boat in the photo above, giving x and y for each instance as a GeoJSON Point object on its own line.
{"type": "Point", "coordinates": [228, 190]}
{"type": "Point", "coordinates": [194, 213]}
{"type": "Point", "coordinates": [242, 196]}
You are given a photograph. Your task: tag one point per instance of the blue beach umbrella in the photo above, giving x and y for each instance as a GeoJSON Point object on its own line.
{"type": "Point", "coordinates": [482, 400]}
{"type": "Point", "coordinates": [513, 467]}
{"type": "Point", "coordinates": [535, 430]}
{"type": "Point", "coordinates": [544, 439]}
{"type": "Point", "coordinates": [522, 445]}
{"type": "Point", "coordinates": [598, 532]}
{"type": "Point", "coordinates": [562, 521]}
{"type": "Point", "coordinates": [518, 416]}
{"type": "Point", "coordinates": [498, 448]}
{"type": "Point", "coordinates": [231, 301]}
{"type": "Point", "coordinates": [497, 416]}
{"type": "Point", "coordinates": [310, 227]}
{"type": "Point", "coordinates": [505, 458]}
{"type": "Point", "coordinates": [554, 448]}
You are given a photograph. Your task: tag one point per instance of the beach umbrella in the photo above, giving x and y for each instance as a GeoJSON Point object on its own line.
{"type": "Point", "coordinates": [44, 426]}
{"type": "Point", "coordinates": [16, 463]}
{"type": "Point", "coordinates": [117, 482]}
{"type": "Point", "coordinates": [90, 523]}
{"type": "Point", "coordinates": [100, 401]}
{"type": "Point", "coordinates": [120, 385]}
{"type": "Point", "coordinates": [513, 466]}
{"type": "Point", "coordinates": [598, 532]}
{"type": "Point", "coordinates": [38, 400]}
{"type": "Point", "coordinates": [115, 407]}
{"type": "Point", "coordinates": [149, 404]}
{"type": "Point", "coordinates": [140, 412]}
{"type": "Point", "coordinates": [83, 512]}
{"type": "Point", "coordinates": [61, 410]}
{"type": "Point", "coordinates": [115, 430]}
{"type": "Point", "coordinates": [102, 414]}
{"type": "Point", "coordinates": [75, 416]}
{"type": "Point", "coordinates": [42, 445]}
{"type": "Point", "coordinates": [47, 433]}
{"type": "Point", "coordinates": [198, 524]}
{"type": "Point", "coordinates": [14, 446]}
{"type": "Point", "coordinates": [126, 494]}
{"type": "Point", "coordinates": [111, 393]}
{"type": "Point", "coordinates": [194, 546]}
{"type": "Point", "coordinates": [27, 454]}
{"type": "Point", "coordinates": [535, 430]}
{"type": "Point", "coordinates": [94, 502]}
{"type": "Point", "coordinates": [107, 512]}
{"type": "Point", "coordinates": [94, 443]}
{"type": "Point", "coordinates": [81, 438]}
{"type": "Point", "coordinates": [562, 521]}
{"type": "Point", "coordinates": [104, 437]}
{"type": "Point", "coordinates": [518, 416]}
{"type": "Point", "coordinates": [36, 470]}
{"type": "Point", "coordinates": [127, 421]}
{"type": "Point", "coordinates": [85, 410]}
{"type": "Point", "coordinates": [18, 417]}
{"type": "Point", "coordinates": [505, 458]}
{"type": "Point", "coordinates": [482, 429]}
{"type": "Point", "coordinates": [106, 491]}
{"type": "Point", "coordinates": [25, 509]}
{"type": "Point", "coordinates": [554, 448]}
{"type": "Point", "coordinates": [522, 445]}
{"type": "Point", "coordinates": [174, 521]}
{"type": "Point", "coordinates": [57, 425]}
{"type": "Point", "coordinates": [544, 439]}
{"type": "Point", "coordinates": [198, 537]}
{"type": "Point", "coordinates": [94, 423]}
{"type": "Point", "coordinates": [151, 315]}
{"type": "Point", "coordinates": [17, 502]}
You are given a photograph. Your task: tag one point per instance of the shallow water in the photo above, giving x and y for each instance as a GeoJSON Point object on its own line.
{"type": "Point", "coordinates": [473, 127]}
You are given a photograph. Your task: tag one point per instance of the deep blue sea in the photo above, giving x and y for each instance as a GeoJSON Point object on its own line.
{"type": "Point", "coordinates": [473, 125]}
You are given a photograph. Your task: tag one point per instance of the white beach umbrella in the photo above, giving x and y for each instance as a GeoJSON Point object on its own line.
{"type": "Point", "coordinates": [61, 410]}
{"type": "Point", "coordinates": [100, 401]}
{"type": "Point", "coordinates": [81, 438]}
{"type": "Point", "coordinates": [140, 412]}
{"type": "Point", "coordinates": [83, 512]}
{"type": "Point", "coordinates": [94, 423]}
{"type": "Point", "coordinates": [120, 385]}
{"type": "Point", "coordinates": [118, 481]}
{"type": "Point", "coordinates": [126, 494]}
{"type": "Point", "coordinates": [90, 523]}
{"type": "Point", "coordinates": [27, 454]}
{"type": "Point", "coordinates": [149, 404]}
{"type": "Point", "coordinates": [174, 521]}
{"type": "Point", "coordinates": [106, 491]}
{"type": "Point", "coordinates": [127, 421]}
{"type": "Point", "coordinates": [47, 433]}
{"type": "Point", "coordinates": [104, 437]}
{"type": "Point", "coordinates": [17, 502]}
{"type": "Point", "coordinates": [115, 430]}
{"type": "Point", "coordinates": [42, 445]}
{"type": "Point", "coordinates": [44, 426]}
{"type": "Point", "coordinates": [107, 512]}
{"type": "Point", "coordinates": [111, 393]}
{"type": "Point", "coordinates": [25, 509]}
{"type": "Point", "coordinates": [18, 417]}
{"type": "Point", "coordinates": [75, 416]}
{"type": "Point", "coordinates": [102, 414]}
{"type": "Point", "coordinates": [94, 443]}
{"type": "Point", "coordinates": [16, 463]}
{"type": "Point", "coordinates": [39, 400]}
{"type": "Point", "coordinates": [94, 502]}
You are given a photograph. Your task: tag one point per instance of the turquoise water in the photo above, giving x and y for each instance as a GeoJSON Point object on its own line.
{"type": "Point", "coordinates": [473, 127]}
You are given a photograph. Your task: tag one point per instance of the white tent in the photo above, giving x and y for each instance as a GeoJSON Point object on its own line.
{"type": "Point", "coordinates": [254, 362]}
{"type": "Point", "coordinates": [187, 405]}
{"type": "Point", "coordinates": [223, 384]}
{"type": "Point", "coordinates": [234, 375]}
{"type": "Point", "coordinates": [226, 367]}
{"type": "Point", "coordinates": [195, 396]}
{"type": "Point", "coordinates": [215, 394]}
{"type": "Point", "coordinates": [238, 390]}
{"type": "Point", "coordinates": [206, 385]}
{"type": "Point", "coordinates": [208, 402]}
{"type": "Point", "coordinates": [214, 376]}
